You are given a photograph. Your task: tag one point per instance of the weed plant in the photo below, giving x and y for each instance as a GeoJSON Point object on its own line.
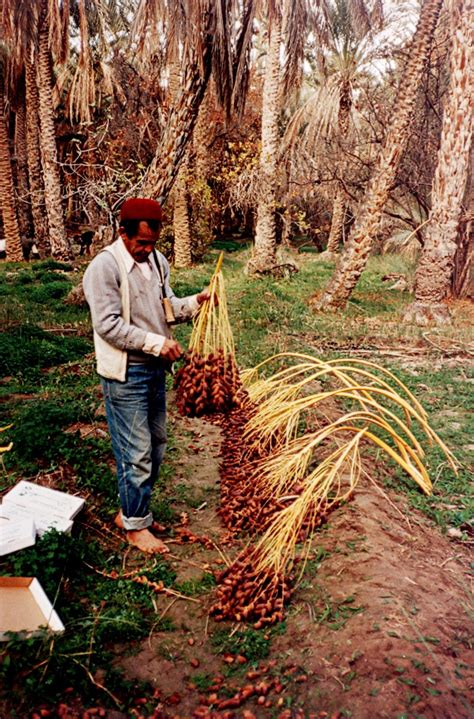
{"type": "Point", "coordinates": [253, 644]}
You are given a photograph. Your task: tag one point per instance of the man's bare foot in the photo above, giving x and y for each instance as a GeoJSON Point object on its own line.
{"type": "Point", "coordinates": [144, 540]}
{"type": "Point", "coordinates": [155, 527]}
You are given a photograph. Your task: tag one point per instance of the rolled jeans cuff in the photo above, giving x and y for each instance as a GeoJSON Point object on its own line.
{"type": "Point", "coordinates": [134, 524]}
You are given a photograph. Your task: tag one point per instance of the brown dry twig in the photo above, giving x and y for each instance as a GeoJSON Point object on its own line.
{"type": "Point", "coordinates": [157, 587]}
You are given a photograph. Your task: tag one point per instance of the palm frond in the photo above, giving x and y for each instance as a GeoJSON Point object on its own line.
{"type": "Point", "coordinates": [360, 17]}
{"type": "Point", "coordinates": [284, 397]}
{"type": "Point", "coordinates": [241, 59]}
{"type": "Point", "coordinates": [330, 483]}
{"type": "Point", "coordinates": [294, 30]}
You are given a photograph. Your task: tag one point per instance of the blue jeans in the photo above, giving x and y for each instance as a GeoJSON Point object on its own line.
{"type": "Point", "coordinates": [136, 415]}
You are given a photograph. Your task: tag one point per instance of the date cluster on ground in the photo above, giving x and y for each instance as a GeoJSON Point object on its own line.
{"type": "Point", "coordinates": [246, 593]}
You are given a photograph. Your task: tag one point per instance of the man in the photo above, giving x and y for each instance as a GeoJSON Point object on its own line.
{"type": "Point", "coordinates": [125, 286]}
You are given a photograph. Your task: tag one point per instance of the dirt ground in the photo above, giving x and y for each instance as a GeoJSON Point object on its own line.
{"type": "Point", "coordinates": [381, 625]}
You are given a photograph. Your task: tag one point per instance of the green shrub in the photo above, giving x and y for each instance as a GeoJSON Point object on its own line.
{"type": "Point", "coordinates": [25, 277]}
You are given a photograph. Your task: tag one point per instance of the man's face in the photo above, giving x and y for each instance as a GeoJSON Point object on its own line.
{"type": "Point", "coordinates": [142, 243]}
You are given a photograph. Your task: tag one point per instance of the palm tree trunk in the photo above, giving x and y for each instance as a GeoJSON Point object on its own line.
{"type": "Point", "coordinates": [181, 226]}
{"type": "Point", "coordinates": [23, 193]}
{"type": "Point", "coordinates": [201, 138]}
{"type": "Point", "coordinates": [10, 222]}
{"type": "Point", "coordinates": [436, 265]}
{"type": "Point", "coordinates": [35, 171]}
{"type": "Point", "coordinates": [339, 206]}
{"type": "Point", "coordinates": [462, 282]}
{"type": "Point", "coordinates": [337, 222]}
{"type": "Point", "coordinates": [359, 245]}
{"type": "Point", "coordinates": [52, 185]}
{"type": "Point", "coordinates": [200, 193]}
{"type": "Point", "coordinates": [264, 250]}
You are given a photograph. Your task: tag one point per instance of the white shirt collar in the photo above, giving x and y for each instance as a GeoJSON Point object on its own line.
{"type": "Point", "coordinates": [128, 260]}
{"type": "Point", "coordinates": [125, 254]}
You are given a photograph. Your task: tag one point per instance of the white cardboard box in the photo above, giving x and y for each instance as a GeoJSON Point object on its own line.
{"type": "Point", "coordinates": [43, 501]}
{"type": "Point", "coordinates": [42, 522]}
{"type": "Point", "coordinates": [16, 532]}
{"type": "Point", "coordinates": [25, 608]}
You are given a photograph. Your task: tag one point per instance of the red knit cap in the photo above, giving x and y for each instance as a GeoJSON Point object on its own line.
{"type": "Point", "coordinates": [140, 208]}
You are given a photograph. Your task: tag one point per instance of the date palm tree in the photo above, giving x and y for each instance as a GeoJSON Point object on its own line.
{"type": "Point", "coordinates": [350, 47]}
{"type": "Point", "coordinates": [181, 222]}
{"type": "Point", "coordinates": [39, 29]}
{"type": "Point", "coordinates": [436, 264]}
{"type": "Point", "coordinates": [360, 242]}
{"type": "Point", "coordinates": [35, 170]}
{"type": "Point", "coordinates": [206, 34]}
{"type": "Point", "coordinates": [8, 210]}
{"type": "Point", "coordinates": [52, 184]}
{"type": "Point", "coordinates": [286, 29]}
{"type": "Point", "coordinates": [9, 217]}
{"type": "Point", "coordinates": [264, 250]}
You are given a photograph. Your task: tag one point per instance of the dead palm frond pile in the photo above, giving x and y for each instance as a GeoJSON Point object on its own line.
{"type": "Point", "coordinates": [310, 462]}
{"type": "Point", "coordinates": [209, 381]}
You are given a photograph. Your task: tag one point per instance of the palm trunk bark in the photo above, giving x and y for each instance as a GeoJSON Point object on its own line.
{"type": "Point", "coordinates": [181, 226]}
{"type": "Point", "coordinates": [359, 245]}
{"type": "Point", "coordinates": [264, 251]}
{"type": "Point", "coordinates": [35, 171]}
{"type": "Point", "coordinates": [24, 216]}
{"type": "Point", "coordinates": [436, 265]}
{"type": "Point", "coordinates": [462, 283]}
{"type": "Point", "coordinates": [200, 194]}
{"type": "Point", "coordinates": [52, 185]}
{"type": "Point", "coordinates": [201, 139]}
{"type": "Point", "coordinates": [337, 222]}
{"type": "Point", "coordinates": [339, 206]}
{"type": "Point", "coordinates": [10, 221]}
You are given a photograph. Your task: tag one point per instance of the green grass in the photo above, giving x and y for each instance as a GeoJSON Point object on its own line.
{"type": "Point", "coordinates": [26, 349]}
{"type": "Point", "coordinates": [96, 611]}
{"type": "Point", "coordinates": [198, 586]}
{"type": "Point", "coordinates": [449, 399]}
{"type": "Point", "coordinates": [252, 644]}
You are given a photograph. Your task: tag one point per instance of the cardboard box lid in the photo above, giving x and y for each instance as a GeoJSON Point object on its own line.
{"type": "Point", "coordinates": [42, 522]}
{"type": "Point", "coordinates": [16, 533]}
{"type": "Point", "coordinates": [43, 500]}
{"type": "Point", "coordinates": [25, 608]}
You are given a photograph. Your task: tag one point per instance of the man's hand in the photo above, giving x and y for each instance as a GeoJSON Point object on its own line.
{"type": "Point", "coordinates": [206, 295]}
{"type": "Point", "coordinates": [203, 296]}
{"type": "Point", "coordinates": [171, 350]}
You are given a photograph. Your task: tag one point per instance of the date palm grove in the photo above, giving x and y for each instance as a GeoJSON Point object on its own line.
{"type": "Point", "coordinates": [346, 121]}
